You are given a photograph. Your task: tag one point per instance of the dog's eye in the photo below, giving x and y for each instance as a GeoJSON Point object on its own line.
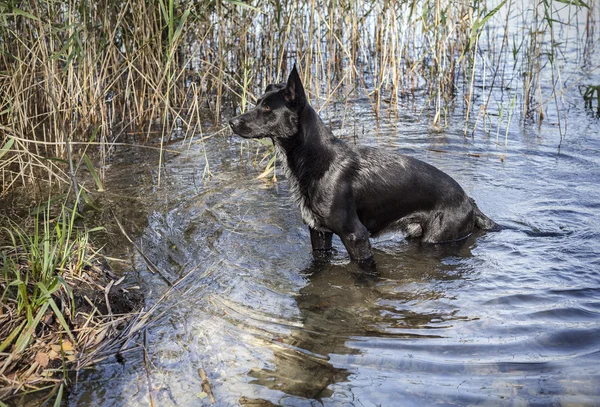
{"type": "Point", "coordinates": [266, 108]}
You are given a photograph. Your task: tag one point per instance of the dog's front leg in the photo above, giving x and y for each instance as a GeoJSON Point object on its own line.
{"type": "Point", "coordinates": [321, 243]}
{"type": "Point", "coordinates": [356, 239]}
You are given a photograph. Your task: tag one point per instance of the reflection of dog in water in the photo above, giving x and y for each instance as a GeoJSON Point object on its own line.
{"type": "Point", "coordinates": [356, 192]}
{"type": "Point", "coordinates": [338, 307]}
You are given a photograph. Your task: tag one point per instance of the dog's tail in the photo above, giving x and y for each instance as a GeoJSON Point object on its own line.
{"type": "Point", "coordinates": [481, 220]}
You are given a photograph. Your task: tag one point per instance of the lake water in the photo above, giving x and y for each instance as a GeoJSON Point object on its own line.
{"type": "Point", "coordinates": [508, 317]}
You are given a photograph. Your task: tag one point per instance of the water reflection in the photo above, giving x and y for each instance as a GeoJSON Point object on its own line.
{"type": "Point", "coordinates": [339, 305]}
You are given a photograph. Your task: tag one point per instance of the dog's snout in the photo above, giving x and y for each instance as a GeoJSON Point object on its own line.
{"type": "Point", "coordinates": [235, 122]}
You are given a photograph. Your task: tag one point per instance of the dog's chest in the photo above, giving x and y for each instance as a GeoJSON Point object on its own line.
{"type": "Point", "coordinates": [308, 214]}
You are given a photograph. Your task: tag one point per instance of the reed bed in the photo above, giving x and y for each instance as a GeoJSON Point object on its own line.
{"type": "Point", "coordinates": [105, 72]}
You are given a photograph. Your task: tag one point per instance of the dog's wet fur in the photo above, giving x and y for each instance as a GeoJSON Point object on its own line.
{"type": "Point", "coordinates": [356, 192]}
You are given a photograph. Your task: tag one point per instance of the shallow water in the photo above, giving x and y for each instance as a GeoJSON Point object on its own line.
{"type": "Point", "coordinates": [509, 316]}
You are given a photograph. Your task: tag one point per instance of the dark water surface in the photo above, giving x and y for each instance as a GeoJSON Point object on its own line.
{"type": "Point", "coordinates": [509, 317]}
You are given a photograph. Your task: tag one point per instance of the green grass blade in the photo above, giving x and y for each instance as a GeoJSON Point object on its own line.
{"type": "Point", "coordinates": [57, 312]}
{"type": "Point", "coordinates": [7, 146]}
{"type": "Point", "coordinates": [59, 395]}
{"type": "Point", "coordinates": [243, 5]}
{"type": "Point", "coordinates": [27, 333]}
{"type": "Point", "coordinates": [18, 12]}
{"type": "Point", "coordinates": [577, 3]}
{"type": "Point", "coordinates": [12, 336]}
{"type": "Point", "coordinates": [92, 170]}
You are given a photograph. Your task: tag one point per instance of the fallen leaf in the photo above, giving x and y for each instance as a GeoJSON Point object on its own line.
{"type": "Point", "coordinates": [54, 354]}
{"type": "Point", "coordinates": [42, 358]}
{"type": "Point", "coordinates": [67, 346]}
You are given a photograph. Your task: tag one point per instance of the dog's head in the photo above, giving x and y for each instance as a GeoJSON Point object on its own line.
{"type": "Point", "coordinates": [276, 112]}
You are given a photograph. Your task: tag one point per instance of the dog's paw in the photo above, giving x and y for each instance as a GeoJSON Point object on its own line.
{"type": "Point", "coordinates": [367, 265]}
{"type": "Point", "coordinates": [323, 255]}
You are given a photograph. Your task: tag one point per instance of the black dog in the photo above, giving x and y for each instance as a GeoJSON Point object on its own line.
{"type": "Point", "coordinates": [355, 192]}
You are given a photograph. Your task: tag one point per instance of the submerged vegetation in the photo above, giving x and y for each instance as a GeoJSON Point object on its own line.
{"type": "Point", "coordinates": [78, 79]}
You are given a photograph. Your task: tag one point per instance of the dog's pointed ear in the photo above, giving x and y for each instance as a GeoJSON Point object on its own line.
{"type": "Point", "coordinates": [294, 91]}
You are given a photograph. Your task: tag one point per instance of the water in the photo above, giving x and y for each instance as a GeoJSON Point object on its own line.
{"type": "Point", "coordinates": [505, 317]}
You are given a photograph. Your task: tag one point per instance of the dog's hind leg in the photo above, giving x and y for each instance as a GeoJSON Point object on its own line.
{"type": "Point", "coordinates": [414, 230]}
{"type": "Point", "coordinates": [482, 221]}
{"type": "Point", "coordinates": [411, 225]}
{"type": "Point", "coordinates": [448, 225]}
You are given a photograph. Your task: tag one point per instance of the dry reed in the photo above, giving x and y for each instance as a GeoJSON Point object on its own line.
{"type": "Point", "coordinates": [120, 72]}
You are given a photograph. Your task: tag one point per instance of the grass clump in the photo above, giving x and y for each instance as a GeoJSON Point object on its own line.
{"type": "Point", "coordinates": [58, 301]}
